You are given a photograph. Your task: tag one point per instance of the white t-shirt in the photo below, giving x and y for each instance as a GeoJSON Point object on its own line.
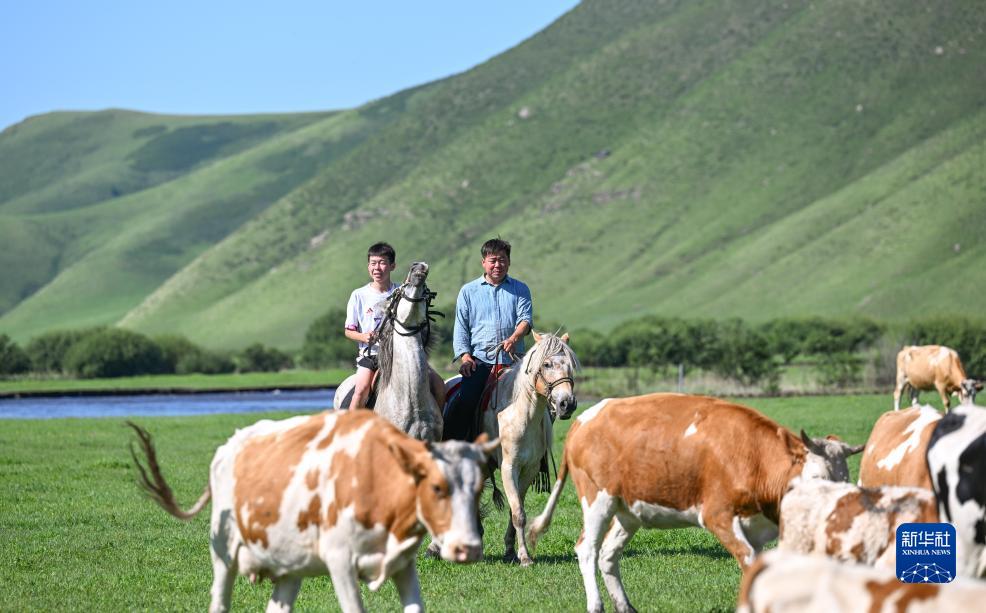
{"type": "Point", "coordinates": [366, 309]}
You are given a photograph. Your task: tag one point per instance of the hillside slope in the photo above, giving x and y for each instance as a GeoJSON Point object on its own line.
{"type": "Point", "coordinates": [749, 158]}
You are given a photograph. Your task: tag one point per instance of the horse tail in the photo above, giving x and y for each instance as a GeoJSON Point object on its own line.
{"type": "Point", "coordinates": [154, 485]}
{"type": "Point", "coordinates": [542, 521]}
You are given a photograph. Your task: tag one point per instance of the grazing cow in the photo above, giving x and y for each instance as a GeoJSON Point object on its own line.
{"type": "Point", "coordinates": [783, 582]}
{"type": "Point", "coordinates": [937, 367]}
{"type": "Point", "coordinates": [343, 492]}
{"type": "Point", "coordinates": [851, 523]}
{"type": "Point", "coordinates": [896, 448]}
{"type": "Point", "coordinates": [957, 461]}
{"type": "Point", "coordinates": [672, 461]}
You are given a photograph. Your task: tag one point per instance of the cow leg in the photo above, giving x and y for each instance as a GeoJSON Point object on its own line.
{"type": "Point", "coordinates": [409, 588]}
{"type": "Point", "coordinates": [346, 586]}
{"type": "Point", "coordinates": [946, 400]}
{"type": "Point", "coordinates": [223, 577]}
{"type": "Point", "coordinates": [285, 591]}
{"type": "Point", "coordinates": [596, 519]}
{"type": "Point", "coordinates": [620, 533]}
{"type": "Point", "coordinates": [899, 388]}
{"type": "Point", "coordinates": [728, 528]}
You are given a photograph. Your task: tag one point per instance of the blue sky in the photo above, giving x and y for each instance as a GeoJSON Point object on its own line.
{"type": "Point", "coordinates": [212, 56]}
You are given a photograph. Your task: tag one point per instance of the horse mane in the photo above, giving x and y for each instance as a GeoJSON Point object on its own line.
{"type": "Point", "coordinates": [385, 338]}
{"type": "Point", "coordinates": [549, 345]}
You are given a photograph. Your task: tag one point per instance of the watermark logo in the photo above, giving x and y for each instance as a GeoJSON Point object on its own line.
{"type": "Point", "coordinates": [926, 553]}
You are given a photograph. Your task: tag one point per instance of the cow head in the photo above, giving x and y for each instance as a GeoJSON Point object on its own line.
{"type": "Point", "coordinates": [968, 390]}
{"type": "Point", "coordinates": [449, 477]}
{"type": "Point", "coordinates": [826, 458]}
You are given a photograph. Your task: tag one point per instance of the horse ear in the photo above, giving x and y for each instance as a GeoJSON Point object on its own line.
{"type": "Point", "coordinates": [537, 337]}
{"type": "Point", "coordinates": [564, 338]}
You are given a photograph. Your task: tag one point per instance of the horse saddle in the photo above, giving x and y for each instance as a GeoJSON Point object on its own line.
{"type": "Point", "coordinates": [496, 373]}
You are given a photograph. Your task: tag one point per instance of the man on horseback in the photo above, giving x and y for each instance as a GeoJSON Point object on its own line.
{"type": "Point", "coordinates": [493, 314]}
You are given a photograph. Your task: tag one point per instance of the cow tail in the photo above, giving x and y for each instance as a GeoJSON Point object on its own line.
{"type": "Point", "coordinates": [540, 523]}
{"type": "Point", "coordinates": [154, 485]}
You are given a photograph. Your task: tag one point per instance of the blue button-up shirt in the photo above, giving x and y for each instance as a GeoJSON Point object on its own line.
{"type": "Point", "coordinates": [486, 315]}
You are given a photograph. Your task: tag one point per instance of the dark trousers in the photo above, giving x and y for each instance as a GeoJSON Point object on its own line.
{"type": "Point", "coordinates": [462, 419]}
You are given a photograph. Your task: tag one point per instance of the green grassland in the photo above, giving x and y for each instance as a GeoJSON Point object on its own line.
{"type": "Point", "coordinates": [756, 158]}
{"type": "Point", "coordinates": [78, 536]}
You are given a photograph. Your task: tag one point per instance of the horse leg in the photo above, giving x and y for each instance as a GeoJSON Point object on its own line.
{"type": "Point", "coordinates": [520, 521]}
{"type": "Point", "coordinates": [511, 485]}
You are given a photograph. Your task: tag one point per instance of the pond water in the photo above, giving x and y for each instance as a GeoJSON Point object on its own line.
{"type": "Point", "coordinates": [153, 405]}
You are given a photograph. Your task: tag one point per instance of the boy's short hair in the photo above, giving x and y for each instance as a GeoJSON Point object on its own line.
{"type": "Point", "coordinates": [495, 245]}
{"type": "Point", "coordinates": [382, 250]}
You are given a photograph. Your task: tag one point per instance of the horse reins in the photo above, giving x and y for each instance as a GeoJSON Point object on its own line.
{"type": "Point", "coordinates": [391, 313]}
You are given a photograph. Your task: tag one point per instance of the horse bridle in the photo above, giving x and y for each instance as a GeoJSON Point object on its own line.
{"type": "Point", "coordinates": [551, 385]}
{"type": "Point", "coordinates": [399, 295]}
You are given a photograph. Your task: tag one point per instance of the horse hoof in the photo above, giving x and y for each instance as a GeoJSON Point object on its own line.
{"type": "Point", "coordinates": [525, 562]}
{"type": "Point", "coordinates": [510, 557]}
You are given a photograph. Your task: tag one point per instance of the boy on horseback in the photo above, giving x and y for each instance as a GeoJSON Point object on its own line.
{"type": "Point", "coordinates": [366, 309]}
{"type": "Point", "coordinates": [364, 313]}
{"type": "Point", "coordinates": [493, 314]}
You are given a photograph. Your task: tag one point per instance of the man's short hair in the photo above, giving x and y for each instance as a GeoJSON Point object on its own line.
{"type": "Point", "coordinates": [382, 250]}
{"type": "Point", "coordinates": [494, 246]}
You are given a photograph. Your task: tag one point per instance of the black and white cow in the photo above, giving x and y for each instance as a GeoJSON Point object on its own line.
{"type": "Point", "coordinates": [957, 465]}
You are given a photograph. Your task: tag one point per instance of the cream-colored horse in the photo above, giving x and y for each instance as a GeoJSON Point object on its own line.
{"type": "Point", "coordinates": [543, 380]}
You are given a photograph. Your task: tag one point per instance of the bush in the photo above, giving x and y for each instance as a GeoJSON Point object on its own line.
{"type": "Point", "coordinates": [183, 357]}
{"type": "Point", "coordinates": [174, 348]}
{"type": "Point", "coordinates": [13, 359]}
{"type": "Point", "coordinates": [594, 348]}
{"type": "Point", "coordinates": [326, 344]}
{"type": "Point", "coordinates": [257, 358]}
{"type": "Point", "coordinates": [840, 370]}
{"type": "Point", "coordinates": [204, 362]}
{"type": "Point", "coordinates": [744, 355]}
{"type": "Point", "coordinates": [114, 352]}
{"type": "Point", "coordinates": [47, 351]}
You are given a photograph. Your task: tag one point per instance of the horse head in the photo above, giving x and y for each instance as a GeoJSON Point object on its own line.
{"type": "Point", "coordinates": [555, 376]}
{"type": "Point", "coordinates": [410, 302]}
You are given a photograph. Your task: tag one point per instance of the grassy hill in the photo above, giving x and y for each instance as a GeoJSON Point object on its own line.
{"type": "Point", "coordinates": [749, 158]}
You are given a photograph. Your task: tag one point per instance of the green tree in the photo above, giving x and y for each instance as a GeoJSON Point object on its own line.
{"type": "Point", "coordinates": [114, 352]}
{"type": "Point", "coordinates": [13, 359]}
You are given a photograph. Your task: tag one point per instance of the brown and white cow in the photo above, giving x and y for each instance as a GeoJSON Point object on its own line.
{"type": "Point", "coordinates": [926, 367]}
{"type": "Point", "coordinates": [896, 448]}
{"type": "Point", "coordinates": [672, 461]}
{"type": "Point", "coordinates": [851, 523]}
{"type": "Point", "coordinates": [782, 582]}
{"type": "Point", "coordinates": [344, 492]}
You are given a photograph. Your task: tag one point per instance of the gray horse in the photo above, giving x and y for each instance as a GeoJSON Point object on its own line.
{"type": "Point", "coordinates": [403, 394]}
